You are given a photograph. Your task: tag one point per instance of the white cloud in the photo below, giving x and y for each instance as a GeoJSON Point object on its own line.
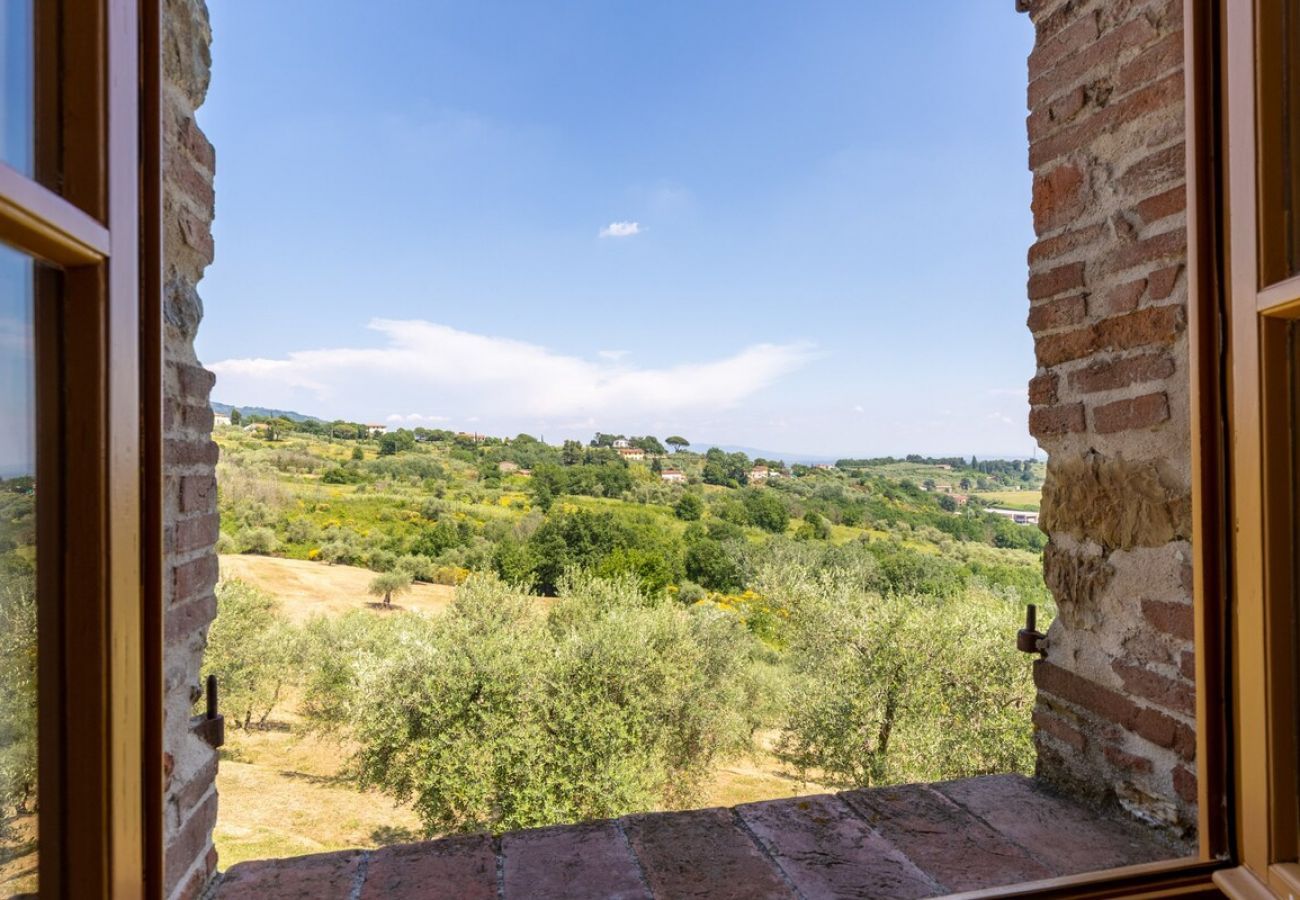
{"type": "Point", "coordinates": [858, 409]}
{"type": "Point", "coordinates": [620, 229]}
{"type": "Point", "coordinates": [611, 355]}
{"type": "Point", "coordinates": [477, 375]}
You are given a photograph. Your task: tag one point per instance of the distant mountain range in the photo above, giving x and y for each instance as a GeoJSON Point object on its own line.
{"type": "Point", "coordinates": [751, 452]}
{"type": "Point", "coordinates": [225, 408]}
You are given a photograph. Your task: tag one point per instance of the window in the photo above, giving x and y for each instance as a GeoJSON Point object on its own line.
{"type": "Point", "coordinates": [76, 481]}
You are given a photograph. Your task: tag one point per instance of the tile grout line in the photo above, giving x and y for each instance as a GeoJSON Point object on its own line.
{"type": "Point", "coordinates": [1028, 851]}
{"type": "Point", "coordinates": [636, 860]}
{"type": "Point", "coordinates": [858, 813]}
{"type": "Point", "coordinates": [765, 852]}
{"type": "Point", "coordinates": [359, 877]}
{"type": "Point", "coordinates": [499, 854]}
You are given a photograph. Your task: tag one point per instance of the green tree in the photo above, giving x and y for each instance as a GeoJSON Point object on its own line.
{"type": "Point", "coordinates": [689, 507]}
{"type": "Point", "coordinates": [18, 744]}
{"type": "Point", "coordinates": [498, 716]}
{"type": "Point", "coordinates": [388, 585]}
{"type": "Point", "coordinates": [358, 453]}
{"type": "Point", "coordinates": [766, 510]}
{"type": "Point", "coordinates": [252, 651]}
{"type": "Point", "coordinates": [236, 417]}
{"type": "Point", "coordinates": [677, 442]}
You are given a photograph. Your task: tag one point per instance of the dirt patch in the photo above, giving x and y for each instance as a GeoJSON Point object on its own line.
{"type": "Point", "coordinates": [307, 588]}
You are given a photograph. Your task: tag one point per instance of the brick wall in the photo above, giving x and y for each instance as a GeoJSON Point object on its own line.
{"type": "Point", "coordinates": [190, 455]}
{"type": "Point", "coordinates": [1109, 402]}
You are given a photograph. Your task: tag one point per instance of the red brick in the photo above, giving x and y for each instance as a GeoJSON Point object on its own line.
{"type": "Point", "coordinates": [1160, 171]}
{"type": "Point", "coordinates": [1105, 50]}
{"type": "Point", "coordinates": [1162, 281]}
{"type": "Point", "coordinates": [320, 876]}
{"type": "Point", "coordinates": [1176, 696]}
{"type": "Point", "coordinates": [1059, 197]}
{"type": "Point", "coordinates": [1129, 762]}
{"type": "Point", "coordinates": [1059, 833]}
{"type": "Point", "coordinates": [1168, 245]}
{"type": "Point", "coordinates": [1187, 665]}
{"type": "Point", "coordinates": [462, 867]}
{"type": "Point", "coordinates": [1155, 61]}
{"type": "Point", "coordinates": [1065, 242]}
{"type": "Point", "coordinates": [1123, 298]}
{"type": "Point", "coordinates": [702, 853]}
{"type": "Point", "coordinates": [198, 576]}
{"type": "Point", "coordinates": [186, 177]}
{"type": "Point", "coordinates": [195, 534]}
{"type": "Point", "coordinates": [1046, 118]}
{"type": "Point", "coordinates": [1064, 419]}
{"type": "Point", "coordinates": [184, 620]}
{"type": "Point", "coordinates": [198, 493]}
{"type": "Point", "coordinates": [1068, 40]}
{"type": "Point", "coordinates": [197, 144]}
{"type": "Point", "coordinates": [1172, 618]}
{"type": "Point", "coordinates": [1108, 375]}
{"type": "Point", "coordinates": [1185, 784]}
{"type": "Point", "coordinates": [1082, 692]}
{"type": "Point", "coordinates": [1056, 281]}
{"type": "Point", "coordinates": [191, 842]}
{"type": "Point", "coordinates": [1161, 206]}
{"type": "Point", "coordinates": [1164, 93]}
{"type": "Point", "coordinates": [196, 233]}
{"type": "Point", "coordinates": [189, 795]}
{"type": "Point", "coordinates": [826, 850]}
{"type": "Point", "coordinates": [946, 841]}
{"type": "Point", "coordinates": [190, 453]}
{"type": "Point", "coordinates": [197, 418]}
{"type": "Point", "coordinates": [1146, 411]}
{"type": "Point", "coordinates": [1054, 349]}
{"type": "Point", "coordinates": [1165, 731]}
{"type": "Point", "coordinates": [1154, 325]}
{"type": "Point", "coordinates": [194, 383]}
{"type": "Point", "coordinates": [1042, 389]}
{"type": "Point", "coordinates": [1059, 313]}
{"type": "Point", "coordinates": [1062, 731]}
{"type": "Point", "coordinates": [1143, 327]}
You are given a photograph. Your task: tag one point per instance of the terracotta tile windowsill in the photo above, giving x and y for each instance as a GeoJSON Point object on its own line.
{"type": "Point", "coordinates": [912, 841]}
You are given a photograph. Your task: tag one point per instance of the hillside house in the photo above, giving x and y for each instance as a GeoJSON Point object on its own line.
{"type": "Point", "coordinates": [376, 430]}
{"type": "Point", "coordinates": [758, 474]}
{"type": "Point", "coordinates": [632, 454]}
{"type": "Point", "coordinates": [621, 443]}
{"type": "Point", "coordinates": [673, 476]}
{"type": "Point", "coordinates": [506, 467]}
{"type": "Point", "coordinates": [1165, 727]}
{"type": "Point", "coordinates": [1019, 516]}
{"type": "Point", "coordinates": [220, 420]}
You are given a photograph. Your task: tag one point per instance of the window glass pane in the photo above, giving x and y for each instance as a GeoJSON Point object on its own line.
{"type": "Point", "coordinates": [17, 577]}
{"type": "Point", "coordinates": [17, 70]}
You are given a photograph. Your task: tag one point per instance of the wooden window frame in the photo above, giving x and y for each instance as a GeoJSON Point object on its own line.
{"type": "Point", "coordinates": [1263, 302]}
{"type": "Point", "coordinates": [100, 469]}
{"type": "Point", "coordinates": [94, 211]}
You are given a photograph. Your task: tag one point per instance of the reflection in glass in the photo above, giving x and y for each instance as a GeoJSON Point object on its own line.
{"type": "Point", "coordinates": [17, 576]}
{"type": "Point", "coordinates": [17, 81]}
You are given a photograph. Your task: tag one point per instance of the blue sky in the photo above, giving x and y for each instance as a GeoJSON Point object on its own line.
{"type": "Point", "coordinates": [794, 226]}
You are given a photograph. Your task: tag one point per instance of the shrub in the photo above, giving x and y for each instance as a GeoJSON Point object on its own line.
{"type": "Point", "coordinates": [18, 708]}
{"type": "Point", "coordinates": [498, 716]}
{"type": "Point", "coordinates": [261, 541]}
{"type": "Point", "coordinates": [252, 650]}
{"type": "Point", "coordinates": [897, 688]}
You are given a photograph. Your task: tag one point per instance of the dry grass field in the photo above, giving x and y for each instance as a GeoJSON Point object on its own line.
{"type": "Point", "coordinates": [305, 588]}
{"type": "Point", "coordinates": [283, 790]}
